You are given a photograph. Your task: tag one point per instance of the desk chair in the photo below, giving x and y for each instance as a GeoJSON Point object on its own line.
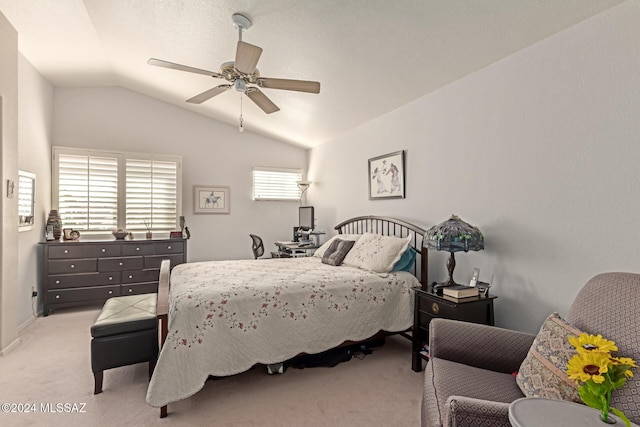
{"type": "Point", "coordinates": [257, 246]}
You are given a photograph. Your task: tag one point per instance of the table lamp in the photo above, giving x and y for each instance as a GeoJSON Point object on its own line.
{"type": "Point", "coordinates": [453, 235]}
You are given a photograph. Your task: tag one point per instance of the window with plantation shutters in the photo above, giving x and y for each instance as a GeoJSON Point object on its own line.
{"type": "Point", "coordinates": [151, 195]}
{"type": "Point", "coordinates": [98, 191]}
{"type": "Point", "coordinates": [276, 184]}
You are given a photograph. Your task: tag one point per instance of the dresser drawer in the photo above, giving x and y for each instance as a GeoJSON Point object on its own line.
{"type": "Point", "coordinates": [137, 276]}
{"type": "Point", "coordinates": [83, 280]}
{"type": "Point", "coordinates": [142, 288]}
{"type": "Point", "coordinates": [86, 265]}
{"type": "Point", "coordinates": [137, 249]}
{"type": "Point", "coordinates": [108, 249]}
{"type": "Point", "coordinates": [72, 250]}
{"type": "Point", "coordinates": [154, 261]}
{"type": "Point", "coordinates": [83, 294]}
{"type": "Point", "coordinates": [176, 247]}
{"type": "Point", "coordinates": [119, 263]}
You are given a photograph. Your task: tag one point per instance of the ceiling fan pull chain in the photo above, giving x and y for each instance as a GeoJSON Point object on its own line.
{"type": "Point", "coordinates": [241, 128]}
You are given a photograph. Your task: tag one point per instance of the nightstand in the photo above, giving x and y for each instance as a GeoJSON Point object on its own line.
{"type": "Point", "coordinates": [429, 305]}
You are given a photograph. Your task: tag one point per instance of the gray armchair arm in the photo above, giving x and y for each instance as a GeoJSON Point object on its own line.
{"type": "Point", "coordinates": [482, 346]}
{"type": "Point", "coordinates": [469, 412]}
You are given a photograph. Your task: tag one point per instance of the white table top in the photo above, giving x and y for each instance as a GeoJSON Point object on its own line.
{"type": "Point", "coordinates": [538, 412]}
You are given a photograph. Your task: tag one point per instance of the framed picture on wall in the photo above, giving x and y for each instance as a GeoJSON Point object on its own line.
{"type": "Point", "coordinates": [386, 176]}
{"type": "Point", "coordinates": [211, 199]}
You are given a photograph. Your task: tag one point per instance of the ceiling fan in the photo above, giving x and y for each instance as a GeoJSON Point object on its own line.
{"type": "Point", "coordinates": [242, 74]}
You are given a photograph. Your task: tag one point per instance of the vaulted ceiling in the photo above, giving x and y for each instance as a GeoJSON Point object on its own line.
{"type": "Point", "coordinates": [370, 56]}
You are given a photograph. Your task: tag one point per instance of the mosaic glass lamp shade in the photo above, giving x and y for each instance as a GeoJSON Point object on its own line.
{"type": "Point", "coordinates": [453, 235]}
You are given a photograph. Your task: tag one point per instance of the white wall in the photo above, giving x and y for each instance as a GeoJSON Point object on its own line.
{"type": "Point", "coordinates": [539, 150]}
{"type": "Point", "coordinates": [213, 153]}
{"type": "Point", "coordinates": [35, 96]}
{"type": "Point", "coordinates": [8, 171]}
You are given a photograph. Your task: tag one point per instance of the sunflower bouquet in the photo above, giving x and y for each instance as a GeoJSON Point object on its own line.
{"type": "Point", "coordinates": [599, 371]}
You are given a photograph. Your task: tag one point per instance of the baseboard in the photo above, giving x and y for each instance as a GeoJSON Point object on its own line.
{"type": "Point", "coordinates": [27, 323]}
{"type": "Point", "coordinates": [10, 347]}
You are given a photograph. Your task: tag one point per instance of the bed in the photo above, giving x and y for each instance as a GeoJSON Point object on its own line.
{"type": "Point", "coordinates": [220, 318]}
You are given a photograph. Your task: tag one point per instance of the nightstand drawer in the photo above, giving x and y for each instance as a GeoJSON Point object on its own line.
{"type": "Point", "coordinates": [137, 249]}
{"type": "Point", "coordinates": [119, 264]}
{"type": "Point", "coordinates": [137, 276]}
{"type": "Point", "coordinates": [176, 247]}
{"type": "Point", "coordinates": [71, 250]}
{"type": "Point", "coordinates": [142, 288]}
{"type": "Point", "coordinates": [437, 308]}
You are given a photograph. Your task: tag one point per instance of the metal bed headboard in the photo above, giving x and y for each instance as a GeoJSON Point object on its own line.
{"type": "Point", "coordinates": [391, 227]}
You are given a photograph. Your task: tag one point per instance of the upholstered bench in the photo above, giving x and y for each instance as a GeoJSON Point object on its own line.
{"type": "Point", "coordinates": [125, 333]}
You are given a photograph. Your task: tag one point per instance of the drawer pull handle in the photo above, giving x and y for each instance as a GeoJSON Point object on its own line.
{"type": "Point", "coordinates": [57, 296]}
{"type": "Point", "coordinates": [66, 251]}
{"type": "Point", "coordinates": [110, 277]}
{"type": "Point", "coordinates": [110, 292]}
{"type": "Point", "coordinates": [104, 250]}
{"type": "Point", "coordinates": [168, 247]}
{"type": "Point", "coordinates": [130, 290]}
{"type": "Point", "coordinates": [137, 249]}
{"type": "Point", "coordinates": [435, 308]}
{"type": "Point", "coordinates": [57, 282]}
{"type": "Point", "coordinates": [73, 266]}
{"type": "Point", "coordinates": [119, 263]}
{"type": "Point", "coordinates": [130, 276]}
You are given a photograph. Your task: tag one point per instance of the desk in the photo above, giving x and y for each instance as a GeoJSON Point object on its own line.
{"type": "Point", "coordinates": [538, 412]}
{"type": "Point", "coordinates": [294, 249]}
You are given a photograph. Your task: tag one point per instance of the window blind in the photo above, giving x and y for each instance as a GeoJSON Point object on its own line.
{"type": "Point", "coordinates": [151, 193]}
{"type": "Point", "coordinates": [88, 192]}
{"type": "Point", "coordinates": [276, 184]}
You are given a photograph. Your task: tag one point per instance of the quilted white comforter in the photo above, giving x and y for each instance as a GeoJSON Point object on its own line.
{"type": "Point", "coordinates": [226, 316]}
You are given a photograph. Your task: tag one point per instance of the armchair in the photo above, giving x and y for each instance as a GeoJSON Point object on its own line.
{"type": "Point", "coordinates": [470, 381]}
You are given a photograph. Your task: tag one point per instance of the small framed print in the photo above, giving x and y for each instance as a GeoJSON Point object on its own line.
{"type": "Point", "coordinates": [386, 176]}
{"type": "Point", "coordinates": [211, 199]}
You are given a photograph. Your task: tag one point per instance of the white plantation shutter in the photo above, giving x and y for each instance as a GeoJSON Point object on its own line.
{"type": "Point", "coordinates": [88, 192]}
{"type": "Point", "coordinates": [151, 195]}
{"type": "Point", "coordinates": [98, 191]}
{"type": "Point", "coordinates": [276, 184]}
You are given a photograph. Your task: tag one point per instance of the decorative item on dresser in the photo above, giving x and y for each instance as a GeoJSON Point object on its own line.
{"type": "Point", "coordinates": [85, 273]}
{"type": "Point", "coordinates": [453, 235]}
{"type": "Point", "coordinates": [55, 222]}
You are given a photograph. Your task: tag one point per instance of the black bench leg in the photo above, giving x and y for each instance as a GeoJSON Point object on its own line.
{"type": "Point", "coordinates": [97, 376]}
{"type": "Point", "coordinates": [152, 366]}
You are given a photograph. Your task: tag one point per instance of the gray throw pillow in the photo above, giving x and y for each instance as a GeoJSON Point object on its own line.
{"type": "Point", "coordinates": [335, 253]}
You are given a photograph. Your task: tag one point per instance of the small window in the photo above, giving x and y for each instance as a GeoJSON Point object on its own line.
{"type": "Point", "coordinates": [26, 200]}
{"type": "Point", "coordinates": [276, 184]}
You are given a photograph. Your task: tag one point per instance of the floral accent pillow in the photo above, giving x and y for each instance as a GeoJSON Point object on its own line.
{"type": "Point", "coordinates": [337, 251]}
{"type": "Point", "coordinates": [377, 253]}
{"type": "Point", "coordinates": [543, 372]}
{"type": "Point", "coordinates": [322, 249]}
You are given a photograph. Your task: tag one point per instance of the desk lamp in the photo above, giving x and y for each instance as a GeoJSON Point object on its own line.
{"type": "Point", "coordinates": [453, 235]}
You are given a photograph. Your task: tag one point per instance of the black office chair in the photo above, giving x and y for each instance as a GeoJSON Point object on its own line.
{"type": "Point", "coordinates": [257, 246]}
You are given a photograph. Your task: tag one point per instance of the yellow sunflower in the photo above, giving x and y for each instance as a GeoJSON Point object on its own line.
{"type": "Point", "coordinates": [588, 366]}
{"type": "Point", "coordinates": [586, 343]}
{"type": "Point", "coordinates": [625, 362]}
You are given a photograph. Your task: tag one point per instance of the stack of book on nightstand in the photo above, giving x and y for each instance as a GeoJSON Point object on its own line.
{"type": "Point", "coordinates": [460, 291]}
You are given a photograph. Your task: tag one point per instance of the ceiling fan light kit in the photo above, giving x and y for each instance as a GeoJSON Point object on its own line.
{"type": "Point", "coordinates": [242, 75]}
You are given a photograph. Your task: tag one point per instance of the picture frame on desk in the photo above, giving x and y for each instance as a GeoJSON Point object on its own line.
{"type": "Point", "coordinates": [211, 199]}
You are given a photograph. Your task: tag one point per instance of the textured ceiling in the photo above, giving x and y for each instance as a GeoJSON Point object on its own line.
{"type": "Point", "coordinates": [371, 56]}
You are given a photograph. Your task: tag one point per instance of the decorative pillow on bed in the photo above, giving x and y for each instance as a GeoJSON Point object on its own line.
{"type": "Point", "coordinates": [406, 260]}
{"type": "Point", "coordinates": [321, 250]}
{"type": "Point", "coordinates": [542, 374]}
{"type": "Point", "coordinates": [337, 251]}
{"type": "Point", "coordinates": [376, 252]}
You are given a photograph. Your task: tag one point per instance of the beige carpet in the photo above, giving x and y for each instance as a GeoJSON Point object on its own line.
{"type": "Point", "coordinates": [52, 365]}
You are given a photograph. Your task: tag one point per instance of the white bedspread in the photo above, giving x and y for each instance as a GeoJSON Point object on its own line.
{"type": "Point", "coordinates": [226, 316]}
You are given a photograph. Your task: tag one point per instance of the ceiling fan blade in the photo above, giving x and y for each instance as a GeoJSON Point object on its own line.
{"type": "Point", "coordinates": [287, 84]}
{"type": "Point", "coordinates": [208, 94]}
{"type": "Point", "coordinates": [247, 56]}
{"type": "Point", "coordinates": [261, 100]}
{"type": "Point", "coordinates": [179, 67]}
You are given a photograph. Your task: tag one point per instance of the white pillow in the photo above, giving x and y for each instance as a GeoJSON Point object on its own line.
{"type": "Point", "coordinates": [322, 249]}
{"type": "Point", "coordinates": [376, 253]}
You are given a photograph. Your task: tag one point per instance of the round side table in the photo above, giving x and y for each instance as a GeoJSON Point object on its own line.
{"type": "Point", "coordinates": [539, 412]}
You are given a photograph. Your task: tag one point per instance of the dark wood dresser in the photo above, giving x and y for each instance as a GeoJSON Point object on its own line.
{"type": "Point", "coordinates": [84, 273]}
